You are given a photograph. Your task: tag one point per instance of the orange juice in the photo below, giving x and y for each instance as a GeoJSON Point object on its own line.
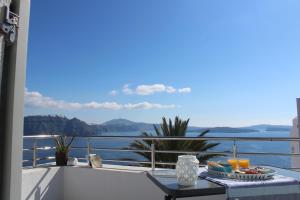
{"type": "Point", "coordinates": [234, 163]}
{"type": "Point", "coordinates": [244, 163]}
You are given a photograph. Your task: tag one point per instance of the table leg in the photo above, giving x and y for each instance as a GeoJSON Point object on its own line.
{"type": "Point", "coordinates": [169, 197]}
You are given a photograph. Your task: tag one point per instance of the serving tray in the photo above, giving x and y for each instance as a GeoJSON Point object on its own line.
{"type": "Point", "coordinates": [250, 177]}
{"type": "Point", "coordinates": [243, 177]}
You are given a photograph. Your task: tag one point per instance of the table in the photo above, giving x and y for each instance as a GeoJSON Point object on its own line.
{"type": "Point", "coordinates": [169, 185]}
{"type": "Point", "coordinates": [286, 172]}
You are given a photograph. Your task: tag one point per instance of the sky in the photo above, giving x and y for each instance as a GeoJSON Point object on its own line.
{"type": "Point", "coordinates": [219, 63]}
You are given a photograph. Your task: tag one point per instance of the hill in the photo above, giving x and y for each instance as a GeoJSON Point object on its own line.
{"type": "Point", "coordinates": [35, 125]}
{"type": "Point", "coordinates": [121, 125]}
{"type": "Point", "coordinates": [269, 127]}
{"type": "Point", "coordinates": [223, 130]}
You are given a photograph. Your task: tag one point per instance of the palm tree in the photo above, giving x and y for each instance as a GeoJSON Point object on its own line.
{"type": "Point", "coordinates": [179, 129]}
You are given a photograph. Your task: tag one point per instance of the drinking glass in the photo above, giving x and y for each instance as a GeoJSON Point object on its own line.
{"type": "Point", "coordinates": [234, 163]}
{"type": "Point", "coordinates": [244, 163]}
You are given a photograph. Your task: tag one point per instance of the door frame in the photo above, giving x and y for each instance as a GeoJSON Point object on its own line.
{"type": "Point", "coordinates": [12, 106]}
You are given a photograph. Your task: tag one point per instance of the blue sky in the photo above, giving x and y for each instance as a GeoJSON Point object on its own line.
{"type": "Point", "coordinates": [220, 63]}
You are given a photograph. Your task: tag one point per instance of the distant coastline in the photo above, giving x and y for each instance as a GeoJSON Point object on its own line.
{"type": "Point", "coordinates": [49, 124]}
{"type": "Point", "coordinates": [277, 129]}
{"type": "Point", "coordinates": [225, 130]}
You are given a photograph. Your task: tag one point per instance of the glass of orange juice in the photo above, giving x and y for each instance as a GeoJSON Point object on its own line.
{"type": "Point", "coordinates": [244, 163]}
{"type": "Point", "coordinates": [234, 163]}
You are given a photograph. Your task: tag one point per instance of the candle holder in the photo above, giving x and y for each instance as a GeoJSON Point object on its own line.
{"type": "Point", "coordinates": [187, 170]}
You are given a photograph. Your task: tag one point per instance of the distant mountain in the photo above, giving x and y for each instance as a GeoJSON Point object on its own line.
{"type": "Point", "coordinates": [124, 122]}
{"type": "Point", "coordinates": [122, 125]}
{"type": "Point", "coordinates": [223, 130]}
{"type": "Point", "coordinates": [35, 125]}
{"type": "Point", "coordinates": [269, 127]}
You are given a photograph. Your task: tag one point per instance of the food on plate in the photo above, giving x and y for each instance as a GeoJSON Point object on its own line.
{"type": "Point", "coordinates": [251, 171]}
{"type": "Point", "coordinates": [239, 171]}
{"type": "Point", "coordinates": [264, 170]}
{"type": "Point", "coordinates": [254, 170]}
{"type": "Point", "coordinates": [220, 167]}
{"type": "Point", "coordinates": [214, 164]}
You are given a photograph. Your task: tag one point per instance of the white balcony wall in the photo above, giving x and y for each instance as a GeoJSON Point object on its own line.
{"type": "Point", "coordinates": [81, 183]}
{"type": "Point", "coordinates": [106, 184]}
{"type": "Point", "coordinates": [43, 184]}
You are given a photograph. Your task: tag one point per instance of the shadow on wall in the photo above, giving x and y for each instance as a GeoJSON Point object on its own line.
{"type": "Point", "coordinates": [37, 193]}
{"type": "Point", "coordinates": [43, 184]}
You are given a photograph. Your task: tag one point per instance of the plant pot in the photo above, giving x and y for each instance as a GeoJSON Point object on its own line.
{"type": "Point", "coordinates": [61, 158]}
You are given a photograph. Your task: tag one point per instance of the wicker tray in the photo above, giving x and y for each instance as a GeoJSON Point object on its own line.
{"type": "Point", "coordinates": [250, 177]}
{"type": "Point", "coordinates": [243, 177]}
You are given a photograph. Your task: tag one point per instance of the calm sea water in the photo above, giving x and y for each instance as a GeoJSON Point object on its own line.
{"type": "Point", "coordinates": [251, 146]}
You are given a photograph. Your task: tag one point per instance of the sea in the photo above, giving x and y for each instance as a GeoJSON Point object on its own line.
{"type": "Point", "coordinates": [242, 146]}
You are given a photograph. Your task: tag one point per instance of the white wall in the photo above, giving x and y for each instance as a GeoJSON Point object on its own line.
{"type": "Point", "coordinates": [112, 184]}
{"type": "Point", "coordinates": [43, 184]}
{"type": "Point", "coordinates": [295, 145]}
{"type": "Point", "coordinates": [108, 185]}
{"type": "Point", "coordinates": [81, 183]}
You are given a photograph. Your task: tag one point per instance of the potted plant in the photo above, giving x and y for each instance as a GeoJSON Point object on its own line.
{"type": "Point", "coordinates": [63, 144]}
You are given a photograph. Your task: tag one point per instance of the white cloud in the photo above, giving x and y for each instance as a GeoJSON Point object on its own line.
{"type": "Point", "coordinates": [104, 105]}
{"type": "Point", "coordinates": [36, 99]}
{"type": "Point", "coordinates": [126, 89]}
{"type": "Point", "coordinates": [185, 90]}
{"type": "Point", "coordinates": [147, 105]}
{"type": "Point", "coordinates": [113, 92]}
{"type": "Point", "coordinates": [170, 89]}
{"type": "Point", "coordinates": [152, 89]}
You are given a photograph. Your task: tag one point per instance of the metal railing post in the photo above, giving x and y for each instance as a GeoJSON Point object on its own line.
{"type": "Point", "coordinates": [298, 120]}
{"type": "Point", "coordinates": [234, 150]}
{"type": "Point", "coordinates": [34, 154]}
{"type": "Point", "coordinates": [153, 155]}
{"type": "Point", "coordinates": [89, 147]}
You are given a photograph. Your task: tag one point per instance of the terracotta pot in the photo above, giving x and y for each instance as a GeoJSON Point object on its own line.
{"type": "Point", "coordinates": [61, 158]}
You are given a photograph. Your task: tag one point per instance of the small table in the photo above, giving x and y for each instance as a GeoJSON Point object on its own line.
{"type": "Point", "coordinates": [286, 172]}
{"type": "Point", "coordinates": [169, 185]}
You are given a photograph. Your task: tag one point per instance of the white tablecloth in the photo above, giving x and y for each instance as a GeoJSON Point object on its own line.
{"type": "Point", "coordinates": [278, 188]}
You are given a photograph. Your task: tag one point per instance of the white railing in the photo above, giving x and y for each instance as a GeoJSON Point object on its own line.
{"type": "Point", "coordinates": [89, 148]}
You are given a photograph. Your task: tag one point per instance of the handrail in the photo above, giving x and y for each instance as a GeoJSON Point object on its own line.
{"type": "Point", "coordinates": [177, 138]}
{"type": "Point", "coordinates": [153, 151]}
{"type": "Point", "coordinates": [42, 136]}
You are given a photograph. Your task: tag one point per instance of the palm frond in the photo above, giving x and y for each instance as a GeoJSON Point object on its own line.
{"type": "Point", "coordinates": [203, 133]}
{"type": "Point", "coordinates": [209, 146]}
{"type": "Point", "coordinates": [176, 128]}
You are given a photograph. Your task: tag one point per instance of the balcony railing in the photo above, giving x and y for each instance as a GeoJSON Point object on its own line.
{"type": "Point", "coordinates": [89, 148]}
